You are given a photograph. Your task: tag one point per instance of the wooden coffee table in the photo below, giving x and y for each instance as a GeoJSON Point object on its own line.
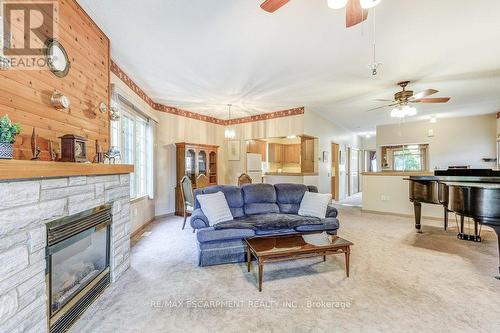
{"type": "Point", "coordinates": [282, 248]}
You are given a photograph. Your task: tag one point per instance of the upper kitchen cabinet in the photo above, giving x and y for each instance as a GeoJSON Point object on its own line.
{"type": "Point", "coordinates": [276, 153]}
{"type": "Point", "coordinates": [307, 154]}
{"type": "Point", "coordinates": [292, 153]}
{"type": "Point", "coordinates": [257, 147]}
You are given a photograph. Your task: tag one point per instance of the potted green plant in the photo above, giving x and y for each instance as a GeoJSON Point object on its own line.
{"type": "Point", "coordinates": [8, 133]}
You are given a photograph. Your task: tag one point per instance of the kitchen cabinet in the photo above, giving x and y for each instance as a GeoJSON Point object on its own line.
{"type": "Point", "coordinates": [307, 154]}
{"type": "Point", "coordinates": [276, 153]}
{"type": "Point", "coordinates": [292, 153]}
{"type": "Point", "coordinates": [257, 147]}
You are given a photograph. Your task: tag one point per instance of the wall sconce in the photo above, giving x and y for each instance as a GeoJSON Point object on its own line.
{"type": "Point", "coordinates": [60, 101]}
{"type": "Point", "coordinates": [114, 113]}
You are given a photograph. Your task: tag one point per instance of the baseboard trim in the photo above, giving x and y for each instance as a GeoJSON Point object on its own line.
{"type": "Point", "coordinates": [400, 215]}
{"type": "Point", "coordinates": [164, 216]}
{"type": "Point", "coordinates": [141, 229]}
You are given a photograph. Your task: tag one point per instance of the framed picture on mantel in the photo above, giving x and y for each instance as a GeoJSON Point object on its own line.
{"type": "Point", "coordinates": [234, 150]}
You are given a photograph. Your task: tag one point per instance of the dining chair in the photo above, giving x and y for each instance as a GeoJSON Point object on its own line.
{"type": "Point", "coordinates": [187, 198]}
{"type": "Point", "coordinates": [244, 179]}
{"type": "Point", "coordinates": [201, 181]}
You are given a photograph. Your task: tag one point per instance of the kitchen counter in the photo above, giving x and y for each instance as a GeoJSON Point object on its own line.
{"type": "Point", "coordinates": [291, 174]}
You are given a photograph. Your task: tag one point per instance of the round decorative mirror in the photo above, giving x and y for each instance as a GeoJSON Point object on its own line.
{"type": "Point", "coordinates": [57, 58]}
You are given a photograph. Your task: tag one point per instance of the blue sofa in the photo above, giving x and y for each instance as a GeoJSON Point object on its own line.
{"type": "Point", "coordinates": [268, 209]}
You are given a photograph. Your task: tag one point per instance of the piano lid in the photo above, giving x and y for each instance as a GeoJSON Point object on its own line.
{"type": "Point", "coordinates": [468, 172]}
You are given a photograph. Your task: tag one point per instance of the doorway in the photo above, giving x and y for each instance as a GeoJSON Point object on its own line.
{"type": "Point", "coordinates": [335, 171]}
{"type": "Point", "coordinates": [353, 183]}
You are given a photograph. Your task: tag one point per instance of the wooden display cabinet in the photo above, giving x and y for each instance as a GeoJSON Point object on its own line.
{"type": "Point", "coordinates": [193, 160]}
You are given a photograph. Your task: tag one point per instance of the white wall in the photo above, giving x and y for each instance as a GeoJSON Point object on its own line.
{"type": "Point", "coordinates": [328, 133]}
{"type": "Point", "coordinates": [390, 194]}
{"type": "Point", "coordinates": [456, 141]}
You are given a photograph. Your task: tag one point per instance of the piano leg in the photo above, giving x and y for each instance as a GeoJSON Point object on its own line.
{"type": "Point", "coordinates": [497, 230]}
{"type": "Point", "coordinates": [418, 215]}
{"type": "Point", "coordinates": [445, 218]}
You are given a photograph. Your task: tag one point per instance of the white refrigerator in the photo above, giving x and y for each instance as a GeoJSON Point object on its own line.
{"type": "Point", "coordinates": [254, 167]}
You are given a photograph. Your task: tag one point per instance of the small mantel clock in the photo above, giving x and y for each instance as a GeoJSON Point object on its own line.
{"type": "Point", "coordinates": [73, 148]}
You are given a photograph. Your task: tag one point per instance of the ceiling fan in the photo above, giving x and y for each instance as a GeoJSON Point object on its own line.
{"type": "Point", "coordinates": [403, 101]}
{"type": "Point", "coordinates": [356, 10]}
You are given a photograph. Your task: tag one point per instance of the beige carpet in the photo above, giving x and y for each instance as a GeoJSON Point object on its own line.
{"type": "Point", "coordinates": [400, 282]}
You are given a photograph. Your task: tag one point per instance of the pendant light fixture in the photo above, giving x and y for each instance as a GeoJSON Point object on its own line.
{"type": "Point", "coordinates": [229, 132]}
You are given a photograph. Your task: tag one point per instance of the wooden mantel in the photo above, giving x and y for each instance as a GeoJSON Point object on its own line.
{"type": "Point", "coordinates": [21, 169]}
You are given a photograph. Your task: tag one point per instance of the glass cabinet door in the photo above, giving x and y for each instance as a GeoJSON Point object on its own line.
{"type": "Point", "coordinates": [191, 165]}
{"type": "Point", "coordinates": [212, 167]}
{"type": "Point", "coordinates": [202, 163]}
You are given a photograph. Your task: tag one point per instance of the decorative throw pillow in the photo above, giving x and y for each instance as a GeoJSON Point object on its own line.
{"type": "Point", "coordinates": [315, 204]}
{"type": "Point", "coordinates": [215, 207]}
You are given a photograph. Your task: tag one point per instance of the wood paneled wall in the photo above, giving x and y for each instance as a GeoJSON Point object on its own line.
{"type": "Point", "coordinates": [25, 95]}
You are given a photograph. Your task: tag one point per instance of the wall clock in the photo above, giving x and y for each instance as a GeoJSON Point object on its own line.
{"type": "Point", "coordinates": [73, 148]}
{"type": "Point", "coordinates": [57, 58]}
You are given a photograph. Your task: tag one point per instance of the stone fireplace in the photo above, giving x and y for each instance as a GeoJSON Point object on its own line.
{"type": "Point", "coordinates": [42, 231]}
{"type": "Point", "coordinates": [77, 264]}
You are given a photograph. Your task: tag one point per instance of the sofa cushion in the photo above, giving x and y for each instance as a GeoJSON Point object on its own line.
{"type": "Point", "coordinates": [233, 195]}
{"type": "Point", "coordinates": [259, 199]}
{"type": "Point", "coordinates": [210, 234]}
{"type": "Point", "coordinates": [259, 193]}
{"type": "Point", "coordinates": [261, 208]}
{"type": "Point", "coordinates": [270, 221]}
{"type": "Point", "coordinates": [215, 207]}
{"type": "Point", "coordinates": [329, 223]}
{"type": "Point", "coordinates": [315, 204]}
{"type": "Point", "coordinates": [289, 196]}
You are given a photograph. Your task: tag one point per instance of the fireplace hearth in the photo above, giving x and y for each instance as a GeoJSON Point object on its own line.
{"type": "Point", "coordinates": [78, 264]}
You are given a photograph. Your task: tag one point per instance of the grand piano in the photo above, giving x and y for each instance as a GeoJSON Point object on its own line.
{"type": "Point", "coordinates": [469, 193]}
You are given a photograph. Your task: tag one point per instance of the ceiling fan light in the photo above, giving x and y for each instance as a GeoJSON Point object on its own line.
{"type": "Point", "coordinates": [397, 113]}
{"type": "Point", "coordinates": [337, 4]}
{"type": "Point", "coordinates": [366, 4]}
{"type": "Point", "coordinates": [409, 111]}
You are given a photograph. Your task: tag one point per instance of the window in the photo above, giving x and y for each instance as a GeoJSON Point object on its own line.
{"type": "Point", "coordinates": [132, 134]}
{"type": "Point", "coordinates": [405, 157]}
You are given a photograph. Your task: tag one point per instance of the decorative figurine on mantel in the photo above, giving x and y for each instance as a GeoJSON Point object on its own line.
{"type": "Point", "coordinates": [35, 149]}
{"type": "Point", "coordinates": [112, 155]}
{"type": "Point", "coordinates": [99, 155]}
{"type": "Point", "coordinates": [8, 133]}
{"type": "Point", "coordinates": [73, 148]}
{"type": "Point", "coordinates": [52, 151]}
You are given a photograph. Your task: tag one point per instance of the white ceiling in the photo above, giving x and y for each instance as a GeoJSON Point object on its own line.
{"type": "Point", "coordinates": [202, 54]}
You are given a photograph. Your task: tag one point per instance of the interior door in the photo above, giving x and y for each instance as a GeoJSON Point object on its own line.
{"type": "Point", "coordinates": [335, 171]}
{"type": "Point", "coordinates": [353, 170]}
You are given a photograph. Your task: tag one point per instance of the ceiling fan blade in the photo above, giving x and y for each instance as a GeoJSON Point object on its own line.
{"type": "Point", "coordinates": [425, 93]}
{"type": "Point", "coordinates": [354, 13]}
{"type": "Point", "coordinates": [383, 100]}
{"type": "Point", "coordinates": [273, 5]}
{"type": "Point", "coordinates": [432, 100]}
{"type": "Point", "coordinates": [381, 107]}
